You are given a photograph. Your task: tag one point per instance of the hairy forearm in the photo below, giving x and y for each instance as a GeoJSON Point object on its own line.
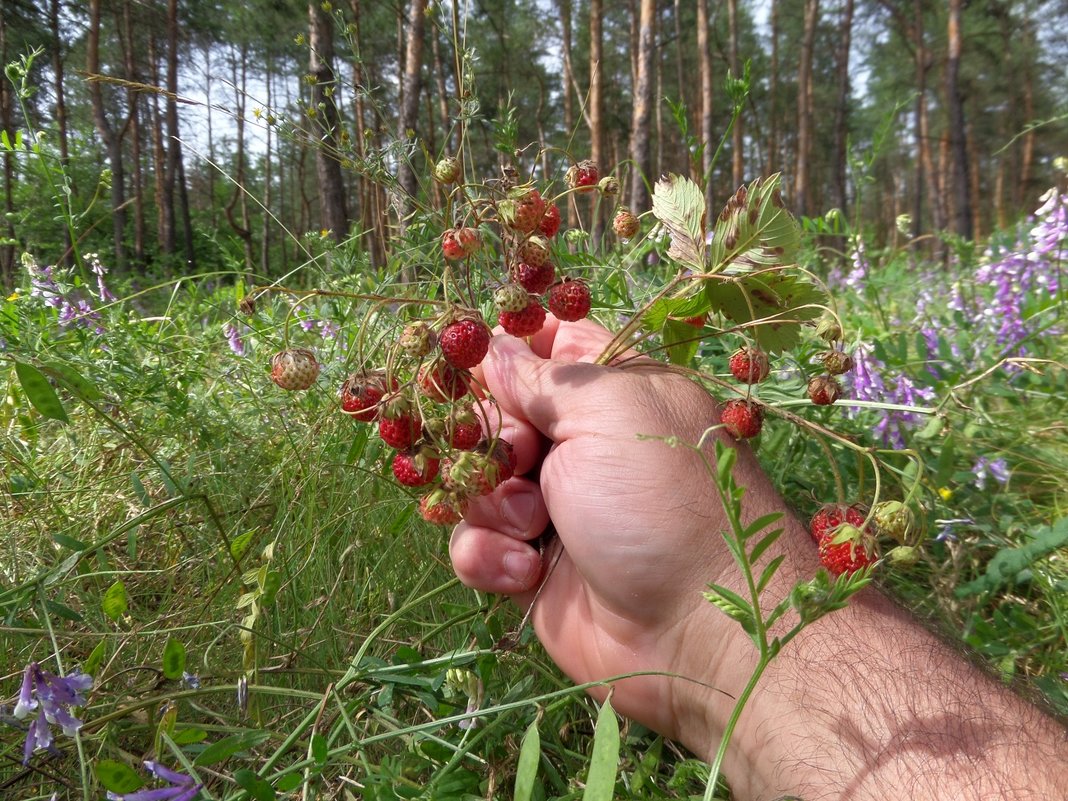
{"type": "Point", "coordinates": [866, 703]}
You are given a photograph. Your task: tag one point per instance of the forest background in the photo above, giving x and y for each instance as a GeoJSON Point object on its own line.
{"type": "Point", "coordinates": [258, 603]}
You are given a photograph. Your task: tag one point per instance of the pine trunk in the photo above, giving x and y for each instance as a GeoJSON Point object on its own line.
{"type": "Point", "coordinates": [962, 217]}
{"type": "Point", "coordinates": [737, 138]}
{"type": "Point", "coordinates": [640, 153]}
{"type": "Point", "coordinates": [61, 116]}
{"type": "Point", "coordinates": [333, 210]}
{"type": "Point", "coordinates": [409, 110]}
{"type": "Point", "coordinates": [704, 59]}
{"type": "Point", "coordinates": [841, 110]}
{"type": "Point", "coordinates": [596, 103]}
{"type": "Point", "coordinates": [7, 124]}
{"type": "Point", "coordinates": [804, 109]}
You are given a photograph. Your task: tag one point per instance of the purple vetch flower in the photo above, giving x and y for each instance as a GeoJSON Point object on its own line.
{"type": "Point", "coordinates": [998, 469]}
{"type": "Point", "coordinates": [308, 323]}
{"type": "Point", "coordinates": [328, 329]}
{"type": "Point", "coordinates": [52, 696]}
{"type": "Point", "coordinates": [947, 532]}
{"type": "Point", "coordinates": [867, 382]}
{"type": "Point", "coordinates": [180, 786]}
{"type": "Point", "coordinates": [857, 277]}
{"type": "Point", "coordinates": [100, 271]}
{"type": "Point", "coordinates": [233, 337]}
{"type": "Point", "coordinates": [191, 680]}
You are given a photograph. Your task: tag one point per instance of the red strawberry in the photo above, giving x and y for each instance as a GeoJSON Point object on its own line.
{"type": "Point", "coordinates": [583, 177]}
{"type": "Point", "coordinates": [465, 432]}
{"type": "Point", "coordinates": [742, 419]}
{"type": "Point", "coordinates": [550, 221]}
{"type": "Point", "coordinates": [415, 468]}
{"type": "Point", "coordinates": [697, 321]}
{"type": "Point", "coordinates": [459, 243]}
{"type": "Point", "coordinates": [824, 390]}
{"type": "Point", "coordinates": [534, 250]}
{"type": "Point", "coordinates": [535, 279]}
{"type": "Point", "coordinates": [401, 430]}
{"type": "Point", "coordinates": [442, 507]}
{"type": "Point", "coordinates": [524, 213]}
{"type": "Point", "coordinates": [441, 382]}
{"type": "Point", "coordinates": [523, 323]}
{"type": "Point", "coordinates": [827, 520]}
{"type": "Point", "coordinates": [569, 300]}
{"type": "Point", "coordinates": [361, 394]}
{"type": "Point", "coordinates": [465, 342]}
{"type": "Point", "coordinates": [845, 557]}
{"type": "Point", "coordinates": [625, 224]}
{"type": "Point", "coordinates": [749, 365]}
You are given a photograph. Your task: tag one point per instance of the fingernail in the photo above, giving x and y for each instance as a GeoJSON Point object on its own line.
{"type": "Point", "coordinates": [520, 566]}
{"type": "Point", "coordinates": [518, 510]}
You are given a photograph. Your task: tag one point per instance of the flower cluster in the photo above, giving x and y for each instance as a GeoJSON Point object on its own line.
{"type": "Point", "coordinates": [868, 382]}
{"type": "Point", "coordinates": [73, 310]}
{"type": "Point", "coordinates": [53, 696]}
{"type": "Point", "coordinates": [1025, 272]}
{"type": "Point", "coordinates": [180, 786]}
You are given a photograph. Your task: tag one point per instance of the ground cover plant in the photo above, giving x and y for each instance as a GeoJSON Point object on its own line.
{"type": "Point", "coordinates": [214, 586]}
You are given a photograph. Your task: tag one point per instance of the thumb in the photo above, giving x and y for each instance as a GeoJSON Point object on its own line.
{"type": "Point", "coordinates": [554, 396]}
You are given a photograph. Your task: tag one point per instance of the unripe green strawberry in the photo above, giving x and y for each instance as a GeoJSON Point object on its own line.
{"type": "Point", "coordinates": [824, 390]}
{"type": "Point", "coordinates": [609, 186]}
{"type": "Point", "coordinates": [294, 368]}
{"type": "Point", "coordinates": [837, 362]}
{"type": "Point", "coordinates": [417, 340]}
{"type": "Point", "coordinates": [569, 300]}
{"type": "Point", "coordinates": [749, 365]}
{"type": "Point", "coordinates": [470, 474]}
{"type": "Point", "coordinates": [742, 419]}
{"type": "Point", "coordinates": [534, 251]}
{"type": "Point", "coordinates": [465, 342]}
{"type": "Point", "coordinates": [828, 329]}
{"type": "Point", "coordinates": [903, 556]}
{"type": "Point", "coordinates": [625, 224]}
{"type": "Point", "coordinates": [511, 298]}
{"type": "Point", "coordinates": [523, 323]}
{"type": "Point", "coordinates": [895, 520]}
{"type": "Point", "coordinates": [447, 171]}
{"type": "Point", "coordinates": [583, 177]}
{"type": "Point", "coordinates": [535, 279]}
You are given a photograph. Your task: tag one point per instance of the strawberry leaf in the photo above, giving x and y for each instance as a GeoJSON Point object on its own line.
{"type": "Point", "coordinates": [788, 300]}
{"type": "Point", "coordinates": [755, 230]}
{"type": "Point", "coordinates": [679, 204]}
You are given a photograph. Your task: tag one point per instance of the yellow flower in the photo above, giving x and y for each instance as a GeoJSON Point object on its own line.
{"type": "Point", "coordinates": [945, 492]}
{"type": "Point", "coordinates": [13, 296]}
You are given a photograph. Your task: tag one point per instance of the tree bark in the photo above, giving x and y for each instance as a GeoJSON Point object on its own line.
{"type": "Point", "coordinates": [841, 110]}
{"type": "Point", "coordinates": [564, 9]}
{"type": "Point", "coordinates": [804, 108]}
{"type": "Point", "coordinates": [61, 117]}
{"type": "Point", "coordinates": [242, 227]}
{"type": "Point", "coordinates": [962, 220]}
{"type": "Point", "coordinates": [175, 169]}
{"type": "Point", "coordinates": [704, 59]}
{"type": "Point", "coordinates": [111, 137]}
{"type": "Point", "coordinates": [640, 153]}
{"type": "Point", "coordinates": [737, 139]}
{"type": "Point", "coordinates": [596, 104]}
{"type": "Point", "coordinates": [773, 92]}
{"type": "Point", "coordinates": [411, 83]}
{"type": "Point", "coordinates": [332, 207]}
{"type": "Point", "coordinates": [132, 104]}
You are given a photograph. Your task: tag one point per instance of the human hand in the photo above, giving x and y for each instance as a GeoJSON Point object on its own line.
{"type": "Point", "coordinates": [638, 520]}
